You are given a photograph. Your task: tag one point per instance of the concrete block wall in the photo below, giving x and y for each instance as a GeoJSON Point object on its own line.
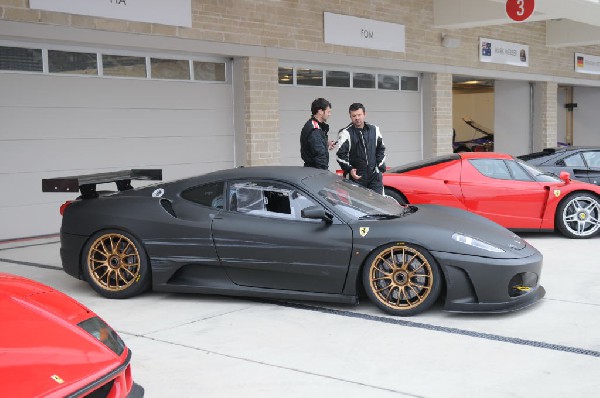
{"type": "Point", "coordinates": [546, 114]}
{"type": "Point", "coordinates": [441, 113]}
{"type": "Point", "coordinates": [298, 26]}
{"type": "Point", "coordinates": [261, 119]}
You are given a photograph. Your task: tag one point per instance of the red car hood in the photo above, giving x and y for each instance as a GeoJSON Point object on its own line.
{"type": "Point", "coordinates": [42, 350]}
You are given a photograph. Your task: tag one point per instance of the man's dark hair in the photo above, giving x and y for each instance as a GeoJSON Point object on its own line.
{"type": "Point", "coordinates": [356, 106]}
{"type": "Point", "coordinates": [319, 104]}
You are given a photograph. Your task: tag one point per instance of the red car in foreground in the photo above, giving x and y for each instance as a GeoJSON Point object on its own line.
{"type": "Point", "coordinates": [506, 190]}
{"type": "Point", "coordinates": [53, 346]}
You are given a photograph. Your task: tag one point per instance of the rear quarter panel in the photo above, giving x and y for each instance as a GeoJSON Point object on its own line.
{"type": "Point", "coordinates": [438, 184]}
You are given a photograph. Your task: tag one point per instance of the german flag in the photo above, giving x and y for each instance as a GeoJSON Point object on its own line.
{"type": "Point", "coordinates": [579, 61]}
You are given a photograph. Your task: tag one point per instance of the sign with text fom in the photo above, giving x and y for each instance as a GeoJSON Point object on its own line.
{"type": "Point", "coordinates": [585, 63]}
{"type": "Point", "coordinates": [366, 33]}
{"type": "Point", "coordinates": [171, 12]}
{"type": "Point", "coordinates": [503, 52]}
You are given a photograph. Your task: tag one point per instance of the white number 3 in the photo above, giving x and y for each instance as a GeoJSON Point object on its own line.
{"type": "Point", "coordinates": [520, 4]}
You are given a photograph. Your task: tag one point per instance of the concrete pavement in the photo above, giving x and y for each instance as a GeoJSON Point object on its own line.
{"type": "Point", "coordinates": [200, 345]}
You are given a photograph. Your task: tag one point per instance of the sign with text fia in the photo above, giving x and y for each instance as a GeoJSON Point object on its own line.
{"type": "Point", "coordinates": [350, 31]}
{"type": "Point", "coordinates": [171, 12]}
{"type": "Point", "coordinates": [585, 63]}
{"type": "Point", "coordinates": [502, 52]}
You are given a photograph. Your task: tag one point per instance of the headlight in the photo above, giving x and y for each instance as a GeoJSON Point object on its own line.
{"type": "Point", "coordinates": [468, 240]}
{"type": "Point", "coordinates": [100, 330]}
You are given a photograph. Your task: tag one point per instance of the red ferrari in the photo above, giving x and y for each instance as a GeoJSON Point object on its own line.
{"type": "Point", "coordinates": [53, 346]}
{"type": "Point", "coordinates": [506, 190]}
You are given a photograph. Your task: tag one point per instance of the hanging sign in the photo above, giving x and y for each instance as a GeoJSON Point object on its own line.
{"type": "Point", "coordinates": [360, 32]}
{"type": "Point", "coordinates": [172, 12]}
{"type": "Point", "coordinates": [519, 10]}
{"type": "Point", "coordinates": [585, 63]}
{"type": "Point", "coordinates": [503, 52]}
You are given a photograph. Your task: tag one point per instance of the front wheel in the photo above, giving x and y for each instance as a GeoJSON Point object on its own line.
{"type": "Point", "coordinates": [402, 279]}
{"type": "Point", "coordinates": [398, 197]}
{"type": "Point", "coordinates": [115, 265]}
{"type": "Point", "coordinates": [578, 215]}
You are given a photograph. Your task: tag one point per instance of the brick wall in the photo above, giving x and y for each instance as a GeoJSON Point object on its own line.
{"type": "Point", "coordinates": [547, 114]}
{"type": "Point", "coordinates": [293, 24]}
{"type": "Point", "coordinates": [441, 113]}
{"type": "Point", "coordinates": [261, 113]}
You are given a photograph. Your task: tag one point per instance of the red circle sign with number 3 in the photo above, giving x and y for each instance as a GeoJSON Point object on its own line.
{"type": "Point", "coordinates": [519, 10]}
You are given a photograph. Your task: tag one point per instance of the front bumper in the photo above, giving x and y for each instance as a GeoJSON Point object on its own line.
{"type": "Point", "coordinates": [480, 284]}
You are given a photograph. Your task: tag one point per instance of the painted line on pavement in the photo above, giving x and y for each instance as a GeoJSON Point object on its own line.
{"type": "Point", "coordinates": [30, 245]}
{"type": "Point", "coordinates": [394, 321]}
{"type": "Point", "coordinates": [444, 329]}
{"type": "Point", "coordinates": [29, 264]}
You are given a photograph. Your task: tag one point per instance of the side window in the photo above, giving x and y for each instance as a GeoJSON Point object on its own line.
{"type": "Point", "coordinates": [517, 172]}
{"type": "Point", "coordinates": [592, 158]}
{"type": "Point", "coordinates": [268, 199]}
{"type": "Point", "coordinates": [572, 161]}
{"type": "Point", "coordinates": [493, 168]}
{"type": "Point", "coordinates": [210, 195]}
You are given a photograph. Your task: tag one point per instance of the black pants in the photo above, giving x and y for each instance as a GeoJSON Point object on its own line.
{"type": "Point", "coordinates": [372, 181]}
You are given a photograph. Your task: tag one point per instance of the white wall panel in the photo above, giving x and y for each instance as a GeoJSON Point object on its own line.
{"type": "Point", "coordinates": [586, 117]}
{"type": "Point", "coordinates": [56, 126]}
{"type": "Point", "coordinates": [511, 122]}
{"type": "Point", "coordinates": [398, 115]}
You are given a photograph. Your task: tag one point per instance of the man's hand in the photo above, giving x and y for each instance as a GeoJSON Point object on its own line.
{"type": "Point", "coordinates": [331, 144]}
{"type": "Point", "coordinates": [354, 175]}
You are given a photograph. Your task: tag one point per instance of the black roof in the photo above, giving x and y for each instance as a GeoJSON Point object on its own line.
{"type": "Point", "coordinates": [556, 150]}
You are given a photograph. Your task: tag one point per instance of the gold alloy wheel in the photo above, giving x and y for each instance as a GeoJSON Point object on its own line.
{"type": "Point", "coordinates": [401, 277]}
{"type": "Point", "coordinates": [114, 262]}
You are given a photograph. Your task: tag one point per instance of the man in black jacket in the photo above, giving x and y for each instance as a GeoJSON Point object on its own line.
{"type": "Point", "coordinates": [314, 144]}
{"type": "Point", "coordinates": [361, 152]}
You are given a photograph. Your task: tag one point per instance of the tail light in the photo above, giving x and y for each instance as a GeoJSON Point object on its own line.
{"type": "Point", "coordinates": [64, 206]}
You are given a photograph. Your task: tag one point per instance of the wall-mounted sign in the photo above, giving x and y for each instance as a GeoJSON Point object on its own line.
{"type": "Point", "coordinates": [172, 12]}
{"type": "Point", "coordinates": [519, 10]}
{"type": "Point", "coordinates": [502, 52]}
{"type": "Point", "coordinates": [585, 63]}
{"type": "Point", "coordinates": [366, 33]}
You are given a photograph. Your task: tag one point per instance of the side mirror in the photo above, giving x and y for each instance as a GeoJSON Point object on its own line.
{"type": "Point", "coordinates": [317, 213]}
{"type": "Point", "coordinates": [565, 177]}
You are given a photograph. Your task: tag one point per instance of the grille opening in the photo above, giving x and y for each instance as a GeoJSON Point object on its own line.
{"type": "Point", "coordinates": [522, 283]}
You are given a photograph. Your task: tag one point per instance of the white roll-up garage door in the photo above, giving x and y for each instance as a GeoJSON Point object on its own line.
{"type": "Point", "coordinates": [58, 125]}
{"type": "Point", "coordinates": [396, 112]}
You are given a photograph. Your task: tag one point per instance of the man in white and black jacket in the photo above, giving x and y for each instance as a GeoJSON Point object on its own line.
{"type": "Point", "coordinates": [361, 152]}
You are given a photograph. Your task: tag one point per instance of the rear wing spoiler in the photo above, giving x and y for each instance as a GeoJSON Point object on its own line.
{"type": "Point", "coordinates": [86, 184]}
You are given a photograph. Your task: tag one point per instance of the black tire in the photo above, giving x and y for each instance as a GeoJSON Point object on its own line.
{"type": "Point", "coordinates": [397, 196]}
{"type": "Point", "coordinates": [578, 215]}
{"type": "Point", "coordinates": [402, 279]}
{"type": "Point", "coordinates": [115, 265]}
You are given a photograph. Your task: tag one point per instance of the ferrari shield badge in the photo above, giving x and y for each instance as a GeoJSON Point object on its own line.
{"type": "Point", "coordinates": [363, 231]}
{"type": "Point", "coordinates": [57, 379]}
{"type": "Point", "coordinates": [557, 192]}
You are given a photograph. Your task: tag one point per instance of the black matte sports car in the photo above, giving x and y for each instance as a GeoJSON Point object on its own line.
{"type": "Point", "coordinates": [289, 233]}
{"type": "Point", "coordinates": [582, 163]}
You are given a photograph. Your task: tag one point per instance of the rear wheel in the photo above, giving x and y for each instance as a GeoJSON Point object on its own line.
{"type": "Point", "coordinates": [578, 215]}
{"type": "Point", "coordinates": [115, 265]}
{"type": "Point", "coordinates": [402, 279]}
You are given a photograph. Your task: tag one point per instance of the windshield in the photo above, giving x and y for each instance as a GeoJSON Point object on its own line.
{"type": "Point", "coordinates": [536, 173]}
{"type": "Point", "coordinates": [355, 201]}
